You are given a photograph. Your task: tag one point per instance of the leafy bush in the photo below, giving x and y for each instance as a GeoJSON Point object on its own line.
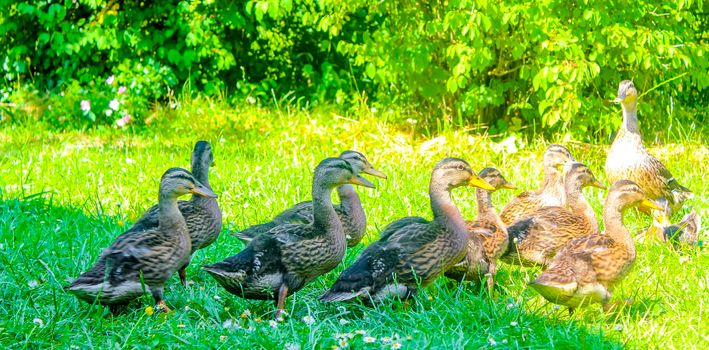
{"type": "Point", "coordinates": [514, 64]}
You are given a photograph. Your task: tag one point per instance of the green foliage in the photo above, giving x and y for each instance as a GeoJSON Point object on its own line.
{"type": "Point", "coordinates": [549, 64]}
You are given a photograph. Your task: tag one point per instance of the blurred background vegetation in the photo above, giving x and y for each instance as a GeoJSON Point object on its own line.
{"type": "Point", "coordinates": [501, 67]}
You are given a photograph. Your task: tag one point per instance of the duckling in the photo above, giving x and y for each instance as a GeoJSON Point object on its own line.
{"type": "Point", "coordinates": [552, 191]}
{"type": "Point", "coordinates": [284, 259]}
{"type": "Point", "coordinates": [588, 268]}
{"type": "Point", "coordinates": [412, 249]}
{"type": "Point", "coordinates": [629, 160]}
{"type": "Point", "coordinates": [535, 239]}
{"type": "Point", "coordinates": [202, 214]}
{"type": "Point", "coordinates": [349, 210]}
{"type": "Point", "coordinates": [487, 235]}
{"type": "Point", "coordinates": [144, 258]}
{"type": "Point", "coordinates": [685, 232]}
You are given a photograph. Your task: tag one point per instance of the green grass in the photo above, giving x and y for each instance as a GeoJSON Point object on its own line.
{"type": "Point", "coordinates": [66, 195]}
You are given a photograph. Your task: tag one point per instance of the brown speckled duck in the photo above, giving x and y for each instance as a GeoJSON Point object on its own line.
{"type": "Point", "coordinates": [628, 159]}
{"type": "Point", "coordinates": [587, 268]}
{"type": "Point", "coordinates": [349, 210]}
{"type": "Point", "coordinates": [535, 239]}
{"type": "Point", "coordinates": [552, 191]}
{"type": "Point", "coordinates": [144, 258]}
{"type": "Point", "coordinates": [284, 259]}
{"type": "Point", "coordinates": [412, 251]}
{"type": "Point", "coordinates": [202, 214]}
{"type": "Point", "coordinates": [487, 235]}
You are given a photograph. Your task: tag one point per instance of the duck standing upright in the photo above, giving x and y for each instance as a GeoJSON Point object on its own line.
{"type": "Point", "coordinates": [550, 194]}
{"type": "Point", "coordinates": [349, 210]}
{"type": "Point", "coordinates": [587, 268]}
{"type": "Point", "coordinates": [144, 258]}
{"type": "Point", "coordinates": [535, 239]}
{"type": "Point", "coordinates": [284, 259]}
{"type": "Point", "coordinates": [412, 251]}
{"type": "Point", "coordinates": [488, 237]}
{"type": "Point", "coordinates": [628, 159]}
{"type": "Point", "coordinates": [202, 214]}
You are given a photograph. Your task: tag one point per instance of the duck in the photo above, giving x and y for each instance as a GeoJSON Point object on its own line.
{"type": "Point", "coordinates": [487, 235]}
{"type": "Point", "coordinates": [629, 160]}
{"type": "Point", "coordinates": [550, 194]}
{"type": "Point", "coordinates": [284, 259]}
{"type": "Point", "coordinates": [412, 252]}
{"type": "Point", "coordinates": [587, 268]}
{"type": "Point", "coordinates": [349, 210]}
{"type": "Point", "coordinates": [534, 240]}
{"type": "Point", "coordinates": [202, 213]}
{"type": "Point", "coordinates": [144, 258]}
{"type": "Point", "coordinates": [685, 232]}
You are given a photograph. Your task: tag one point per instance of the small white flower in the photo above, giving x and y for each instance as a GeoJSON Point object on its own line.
{"type": "Point", "coordinates": [342, 343]}
{"type": "Point", "coordinates": [222, 338]}
{"type": "Point", "coordinates": [110, 79]}
{"type": "Point", "coordinates": [114, 104]}
{"type": "Point", "coordinates": [308, 320]}
{"type": "Point", "coordinates": [369, 339]}
{"type": "Point", "coordinates": [492, 342]}
{"type": "Point", "coordinates": [360, 332]}
{"type": "Point", "coordinates": [504, 341]}
{"type": "Point", "coordinates": [180, 325]}
{"type": "Point", "coordinates": [343, 322]}
{"type": "Point", "coordinates": [130, 161]}
{"type": "Point", "coordinates": [187, 308]}
{"type": "Point", "coordinates": [411, 121]}
{"type": "Point", "coordinates": [32, 283]}
{"type": "Point", "coordinates": [85, 106]}
{"type": "Point", "coordinates": [396, 346]}
{"type": "Point", "coordinates": [555, 307]}
{"type": "Point", "coordinates": [510, 305]}
{"type": "Point", "coordinates": [292, 346]}
{"type": "Point", "coordinates": [513, 324]}
{"type": "Point", "coordinates": [374, 109]}
{"type": "Point", "coordinates": [230, 323]}
{"type": "Point", "coordinates": [386, 340]}
{"type": "Point", "coordinates": [246, 313]}
{"type": "Point", "coordinates": [39, 322]}
{"type": "Point", "coordinates": [109, 112]}
{"type": "Point", "coordinates": [251, 100]}
{"type": "Point", "coordinates": [618, 327]}
{"type": "Point", "coordinates": [273, 323]}
{"type": "Point", "coordinates": [122, 90]}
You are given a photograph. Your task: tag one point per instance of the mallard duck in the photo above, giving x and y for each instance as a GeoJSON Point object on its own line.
{"type": "Point", "coordinates": [587, 268]}
{"type": "Point", "coordinates": [349, 210]}
{"type": "Point", "coordinates": [487, 235]}
{"type": "Point", "coordinates": [144, 258]}
{"type": "Point", "coordinates": [550, 194]}
{"type": "Point", "coordinates": [282, 260]}
{"type": "Point", "coordinates": [535, 239]}
{"type": "Point", "coordinates": [685, 232]}
{"type": "Point", "coordinates": [412, 251]}
{"type": "Point", "coordinates": [202, 214]}
{"type": "Point", "coordinates": [629, 160]}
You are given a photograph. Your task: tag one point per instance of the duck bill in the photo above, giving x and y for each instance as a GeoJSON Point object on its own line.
{"type": "Point", "coordinates": [509, 186]}
{"type": "Point", "coordinates": [651, 205]}
{"type": "Point", "coordinates": [358, 180]}
{"type": "Point", "coordinates": [478, 182]}
{"type": "Point", "coordinates": [597, 184]}
{"type": "Point", "coordinates": [200, 190]}
{"type": "Point", "coordinates": [374, 172]}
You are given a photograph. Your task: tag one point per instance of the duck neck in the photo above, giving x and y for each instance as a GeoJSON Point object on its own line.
{"type": "Point", "coordinates": [553, 184]}
{"type": "Point", "coordinates": [324, 216]}
{"type": "Point", "coordinates": [349, 200]}
{"type": "Point", "coordinates": [445, 212]}
{"type": "Point", "coordinates": [485, 208]}
{"type": "Point", "coordinates": [613, 218]}
{"type": "Point", "coordinates": [578, 205]}
{"type": "Point", "coordinates": [630, 118]}
{"type": "Point", "coordinates": [169, 214]}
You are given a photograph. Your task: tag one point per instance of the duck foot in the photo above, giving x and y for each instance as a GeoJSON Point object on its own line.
{"type": "Point", "coordinates": [183, 276]}
{"type": "Point", "coordinates": [162, 307]}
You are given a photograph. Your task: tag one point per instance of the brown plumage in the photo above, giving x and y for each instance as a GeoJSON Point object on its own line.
{"type": "Point", "coordinates": [685, 232]}
{"type": "Point", "coordinates": [487, 235]}
{"type": "Point", "coordinates": [628, 159]}
{"type": "Point", "coordinates": [412, 251]}
{"type": "Point", "coordinates": [284, 259]}
{"type": "Point", "coordinates": [142, 260]}
{"type": "Point", "coordinates": [202, 214]}
{"type": "Point", "coordinates": [349, 210]}
{"type": "Point", "coordinates": [534, 240]}
{"type": "Point", "coordinates": [587, 268]}
{"type": "Point", "coordinates": [550, 194]}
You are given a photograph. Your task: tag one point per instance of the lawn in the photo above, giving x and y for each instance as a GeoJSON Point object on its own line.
{"type": "Point", "coordinates": [65, 195]}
